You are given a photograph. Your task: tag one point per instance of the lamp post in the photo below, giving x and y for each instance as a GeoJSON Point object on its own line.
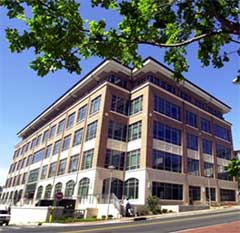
{"type": "Point", "coordinates": [111, 167]}
{"type": "Point", "coordinates": [209, 190]}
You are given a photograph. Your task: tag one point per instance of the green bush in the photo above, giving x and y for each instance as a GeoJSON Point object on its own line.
{"type": "Point", "coordinates": [153, 204]}
{"type": "Point", "coordinates": [164, 211]}
{"type": "Point", "coordinates": [110, 216]}
{"type": "Point", "coordinates": [103, 217]}
{"type": "Point", "coordinates": [142, 210]}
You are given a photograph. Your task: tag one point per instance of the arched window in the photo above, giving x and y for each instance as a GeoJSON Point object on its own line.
{"type": "Point", "coordinates": [3, 196]}
{"type": "Point", "coordinates": [48, 191]}
{"type": "Point", "coordinates": [58, 188]}
{"type": "Point", "coordinates": [39, 192]}
{"type": "Point", "coordinates": [11, 196]}
{"type": "Point", "coordinates": [131, 188]}
{"type": "Point", "coordinates": [116, 187]}
{"type": "Point", "coordinates": [83, 187]}
{"type": "Point", "coordinates": [15, 197]}
{"type": "Point", "coordinates": [7, 196]}
{"type": "Point", "coordinates": [69, 191]}
{"type": "Point", "coordinates": [20, 194]}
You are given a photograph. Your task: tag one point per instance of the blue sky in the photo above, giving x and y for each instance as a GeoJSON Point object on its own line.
{"type": "Point", "coordinates": [23, 95]}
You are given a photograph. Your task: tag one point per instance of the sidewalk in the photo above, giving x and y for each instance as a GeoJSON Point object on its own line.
{"type": "Point", "coordinates": [233, 227]}
{"type": "Point", "coordinates": [148, 217]}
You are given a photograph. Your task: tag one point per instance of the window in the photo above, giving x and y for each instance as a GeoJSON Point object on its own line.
{"type": "Point", "coordinates": [56, 147]}
{"type": "Point", "coordinates": [69, 190]}
{"type": "Point", "coordinates": [221, 132]}
{"type": "Point", "coordinates": [91, 131]}
{"type": "Point", "coordinates": [82, 113]}
{"type": "Point", "coordinates": [58, 188]}
{"type": "Point", "coordinates": [52, 170]}
{"type": "Point", "coordinates": [45, 136]}
{"type": "Point", "coordinates": [185, 96]}
{"type": "Point", "coordinates": [114, 158]}
{"type": "Point", "coordinates": [222, 174]}
{"type": "Point", "coordinates": [212, 194]}
{"type": "Point", "coordinates": [161, 84]}
{"type": "Point", "coordinates": [136, 105]}
{"type": "Point", "coordinates": [83, 187]}
{"type": "Point", "coordinates": [48, 151]}
{"type": "Point", "coordinates": [95, 105]}
{"type": "Point", "coordinates": [133, 159]}
{"type": "Point", "coordinates": [135, 131]}
{"type": "Point", "coordinates": [166, 133]}
{"type": "Point", "coordinates": [116, 187]}
{"type": "Point", "coordinates": [38, 139]}
{"type": "Point", "coordinates": [131, 188]}
{"type": "Point", "coordinates": [38, 156]}
{"type": "Point", "coordinates": [44, 172]}
{"type": "Point", "coordinates": [167, 191]}
{"type": "Point", "coordinates": [191, 119]}
{"type": "Point", "coordinates": [223, 152]}
{"type": "Point", "coordinates": [39, 192]}
{"type": "Point", "coordinates": [192, 142]}
{"type": "Point", "coordinates": [24, 178]}
{"type": "Point", "coordinates": [205, 125]}
{"type": "Point", "coordinates": [166, 161]}
{"type": "Point", "coordinates": [33, 144]}
{"type": "Point", "coordinates": [208, 169]}
{"type": "Point", "coordinates": [70, 120]}
{"type": "Point", "coordinates": [227, 195]}
{"type": "Point", "coordinates": [66, 142]}
{"type": "Point", "coordinates": [167, 108]}
{"type": "Point", "coordinates": [73, 163]}
{"type": "Point", "coordinates": [48, 192]}
{"type": "Point", "coordinates": [117, 81]}
{"type": "Point", "coordinates": [119, 105]}
{"type": "Point", "coordinates": [194, 193]}
{"type": "Point", "coordinates": [193, 166]}
{"type": "Point", "coordinates": [61, 125]}
{"type": "Point", "coordinates": [62, 166]}
{"type": "Point", "coordinates": [78, 137]}
{"type": "Point", "coordinates": [87, 159]}
{"type": "Point", "coordinates": [33, 175]}
{"type": "Point", "coordinates": [117, 131]}
{"type": "Point", "coordinates": [52, 131]}
{"type": "Point", "coordinates": [206, 146]}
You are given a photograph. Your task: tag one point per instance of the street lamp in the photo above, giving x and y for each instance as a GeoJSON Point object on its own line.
{"type": "Point", "coordinates": [111, 167]}
{"type": "Point", "coordinates": [209, 190]}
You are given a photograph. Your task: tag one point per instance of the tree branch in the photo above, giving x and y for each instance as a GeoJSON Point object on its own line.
{"type": "Point", "coordinates": [183, 43]}
{"type": "Point", "coordinates": [231, 26]}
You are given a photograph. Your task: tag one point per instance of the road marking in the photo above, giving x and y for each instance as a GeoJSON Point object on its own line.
{"type": "Point", "coordinates": [137, 225]}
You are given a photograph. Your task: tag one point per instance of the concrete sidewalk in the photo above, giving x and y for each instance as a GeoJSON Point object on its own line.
{"type": "Point", "coordinates": [233, 227]}
{"type": "Point", "coordinates": [148, 217]}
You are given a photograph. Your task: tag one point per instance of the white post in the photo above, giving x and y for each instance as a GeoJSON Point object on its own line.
{"type": "Point", "coordinates": [109, 188]}
{"type": "Point", "coordinates": [209, 192]}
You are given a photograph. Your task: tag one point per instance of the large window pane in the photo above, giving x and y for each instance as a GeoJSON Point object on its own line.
{"type": "Point", "coordinates": [133, 160]}
{"type": "Point", "coordinates": [95, 105]}
{"type": "Point", "coordinates": [91, 131]}
{"type": "Point", "coordinates": [87, 159]}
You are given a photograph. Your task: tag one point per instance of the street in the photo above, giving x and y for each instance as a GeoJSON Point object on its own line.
{"type": "Point", "coordinates": [172, 224]}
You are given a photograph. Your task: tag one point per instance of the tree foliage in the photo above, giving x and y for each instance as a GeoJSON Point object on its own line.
{"type": "Point", "coordinates": [61, 37]}
{"type": "Point", "coordinates": [233, 168]}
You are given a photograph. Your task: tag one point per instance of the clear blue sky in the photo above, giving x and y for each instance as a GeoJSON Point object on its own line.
{"type": "Point", "coordinates": [23, 95]}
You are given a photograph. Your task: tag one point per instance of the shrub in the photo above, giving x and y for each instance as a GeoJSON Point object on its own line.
{"type": "Point", "coordinates": [164, 211]}
{"type": "Point", "coordinates": [103, 217]}
{"type": "Point", "coordinates": [142, 210]}
{"type": "Point", "coordinates": [110, 216]}
{"type": "Point", "coordinates": [153, 204]}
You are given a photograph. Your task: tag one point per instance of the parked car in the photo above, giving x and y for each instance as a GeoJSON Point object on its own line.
{"type": "Point", "coordinates": [5, 217]}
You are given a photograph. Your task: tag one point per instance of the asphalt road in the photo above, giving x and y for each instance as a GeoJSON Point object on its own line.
{"type": "Point", "coordinates": [172, 224]}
